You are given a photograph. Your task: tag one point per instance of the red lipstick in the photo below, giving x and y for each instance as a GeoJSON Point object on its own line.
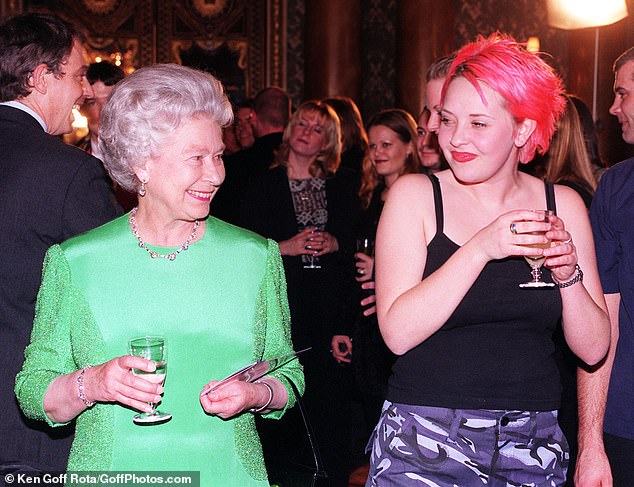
{"type": "Point", "coordinates": [463, 156]}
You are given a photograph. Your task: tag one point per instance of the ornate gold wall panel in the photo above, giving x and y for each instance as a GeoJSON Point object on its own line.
{"type": "Point", "coordinates": [242, 42]}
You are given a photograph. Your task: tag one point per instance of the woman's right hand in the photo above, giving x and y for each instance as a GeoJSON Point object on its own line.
{"type": "Point", "coordinates": [497, 240]}
{"type": "Point", "coordinates": [297, 245]}
{"type": "Point", "coordinates": [114, 381]}
{"type": "Point", "coordinates": [365, 267]}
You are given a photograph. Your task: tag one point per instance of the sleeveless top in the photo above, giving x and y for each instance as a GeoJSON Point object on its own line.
{"type": "Point", "coordinates": [496, 350]}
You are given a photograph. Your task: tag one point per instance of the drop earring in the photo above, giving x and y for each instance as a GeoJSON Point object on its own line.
{"type": "Point", "coordinates": [141, 190]}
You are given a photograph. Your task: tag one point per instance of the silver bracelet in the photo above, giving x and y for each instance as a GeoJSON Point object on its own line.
{"type": "Point", "coordinates": [266, 405]}
{"type": "Point", "coordinates": [578, 277]}
{"type": "Point", "coordinates": [80, 387]}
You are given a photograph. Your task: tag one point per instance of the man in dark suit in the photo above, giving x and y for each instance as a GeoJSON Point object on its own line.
{"type": "Point", "coordinates": [271, 111]}
{"type": "Point", "coordinates": [49, 191]}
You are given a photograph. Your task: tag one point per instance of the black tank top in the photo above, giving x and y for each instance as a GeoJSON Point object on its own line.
{"type": "Point", "coordinates": [496, 350]}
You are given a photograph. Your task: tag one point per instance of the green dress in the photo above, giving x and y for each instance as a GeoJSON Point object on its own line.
{"type": "Point", "coordinates": [221, 305]}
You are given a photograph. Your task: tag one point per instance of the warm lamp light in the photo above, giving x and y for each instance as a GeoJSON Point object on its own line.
{"type": "Point", "coordinates": [580, 14]}
{"type": "Point", "coordinates": [79, 122]}
{"type": "Point", "coordinates": [532, 44]}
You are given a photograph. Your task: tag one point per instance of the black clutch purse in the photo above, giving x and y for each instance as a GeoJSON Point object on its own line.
{"type": "Point", "coordinates": [283, 472]}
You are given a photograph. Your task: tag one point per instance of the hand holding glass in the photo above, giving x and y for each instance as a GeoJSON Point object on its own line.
{"type": "Point", "coordinates": [152, 348]}
{"type": "Point", "coordinates": [536, 261]}
{"type": "Point", "coordinates": [310, 260]}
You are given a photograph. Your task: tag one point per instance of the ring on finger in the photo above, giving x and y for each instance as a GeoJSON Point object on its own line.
{"type": "Point", "coordinates": [567, 241]}
{"type": "Point", "coordinates": [513, 228]}
{"type": "Point", "coordinates": [361, 271]}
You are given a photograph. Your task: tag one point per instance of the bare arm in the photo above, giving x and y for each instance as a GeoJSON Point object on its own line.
{"type": "Point", "coordinates": [593, 468]}
{"type": "Point", "coordinates": [406, 306]}
{"type": "Point", "coordinates": [584, 316]}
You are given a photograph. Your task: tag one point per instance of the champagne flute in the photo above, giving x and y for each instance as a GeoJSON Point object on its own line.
{"type": "Point", "coordinates": [536, 261]}
{"type": "Point", "coordinates": [151, 348]}
{"type": "Point", "coordinates": [309, 260]}
{"type": "Point", "coordinates": [365, 246]}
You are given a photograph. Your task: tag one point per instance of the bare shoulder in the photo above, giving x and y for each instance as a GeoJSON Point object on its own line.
{"type": "Point", "coordinates": [412, 191]}
{"type": "Point", "coordinates": [415, 183]}
{"type": "Point", "coordinates": [569, 203]}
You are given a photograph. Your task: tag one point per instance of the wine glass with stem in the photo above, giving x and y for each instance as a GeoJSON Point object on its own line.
{"type": "Point", "coordinates": [309, 260]}
{"type": "Point", "coordinates": [536, 261]}
{"type": "Point", "coordinates": [152, 348]}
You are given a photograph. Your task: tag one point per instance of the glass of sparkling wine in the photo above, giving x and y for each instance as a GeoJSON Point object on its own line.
{"type": "Point", "coordinates": [536, 261]}
{"type": "Point", "coordinates": [151, 348]}
{"type": "Point", "coordinates": [365, 245]}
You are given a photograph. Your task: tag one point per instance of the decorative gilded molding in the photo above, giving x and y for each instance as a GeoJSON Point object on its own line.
{"type": "Point", "coordinates": [209, 9]}
{"type": "Point", "coordinates": [101, 7]}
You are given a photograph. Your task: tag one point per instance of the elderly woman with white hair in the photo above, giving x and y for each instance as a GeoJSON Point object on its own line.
{"type": "Point", "coordinates": [215, 291]}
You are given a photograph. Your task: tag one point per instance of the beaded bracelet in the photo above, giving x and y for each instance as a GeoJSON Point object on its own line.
{"type": "Point", "coordinates": [80, 387]}
{"type": "Point", "coordinates": [266, 405]}
{"type": "Point", "coordinates": [578, 277]}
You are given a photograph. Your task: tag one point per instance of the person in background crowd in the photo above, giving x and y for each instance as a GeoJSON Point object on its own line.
{"type": "Point", "coordinates": [435, 76]}
{"type": "Point", "coordinates": [606, 415]}
{"type": "Point", "coordinates": [271, 111]}
{"type": "Point", "coordinates": [102, 78]}
{"type": "Point", "coordinates": [148, 273]}
{"type": "Point", "coordinates": [50, 192]}
{"type": "Point", "coordinates": [567, 161]}
{"type": "Point", "coordinates": [392, 153]}
{"type": "Point", "coordinates": [244, 125]}
{"type": "Point", "coordinates": [474, 393]}
{"type": "Point", "coordinates": [590, 136]}
{"type": "Point", "coordinates": [427, 145]}
{"type": "Point", "coordinates": [354, 137]}
{"type": "Point", "coordinates": [308, 204]}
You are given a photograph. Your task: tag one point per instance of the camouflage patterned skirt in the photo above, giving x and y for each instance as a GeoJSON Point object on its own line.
{"type": "Point", "coordinates": [430, 446]}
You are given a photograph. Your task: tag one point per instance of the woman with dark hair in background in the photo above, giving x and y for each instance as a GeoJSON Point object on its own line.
{"type": "Point", "coordinates": [391, 153]}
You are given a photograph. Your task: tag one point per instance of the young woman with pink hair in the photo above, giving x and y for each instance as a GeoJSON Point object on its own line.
{"type": "Point", "coordinates": [474, 393]}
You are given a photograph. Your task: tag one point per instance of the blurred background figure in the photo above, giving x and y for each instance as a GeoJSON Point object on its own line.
{"type": "Point", "coordinates": [567, 162]}
{"type": "Point", "coordinates": [243, 124]}
{"type": "Point", "coordinates": [271, 111]}
{"type": "Point", "coordinates": [308, 204]}
{"type": "Point", "coordinates": [435, 76]}
{"type": "Point", "coordinates": [590, 136]}
{"type": "Point", "coordinates": [354, 140]}
{"type": "Point", "coordinates": [102, 77]}
{"type": "Point", "coordinates": [427, 145]}
{"type": "Point", "coordinates": [391, 153]}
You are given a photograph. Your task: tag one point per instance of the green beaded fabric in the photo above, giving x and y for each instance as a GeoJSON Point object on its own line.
{"type": "Point", "coordinates": [221, 304]}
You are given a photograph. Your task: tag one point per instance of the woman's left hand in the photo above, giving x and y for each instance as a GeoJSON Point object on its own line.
{"type": "Point", "coordinates": [561, 258]}
{"type": "Point", "coordinates": [323, 243]}
{"type": "Point", "coordinates": [233, 398]}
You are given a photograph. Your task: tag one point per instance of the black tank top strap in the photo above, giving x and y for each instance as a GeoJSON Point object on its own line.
{"type": "Point", "coordinates": [550, 197]}
{"type": "Point", "coordinates": [437, 203]}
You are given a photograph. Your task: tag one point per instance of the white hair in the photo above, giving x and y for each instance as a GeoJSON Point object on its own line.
{"type": "Point", "coordinates": [147, 106]}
